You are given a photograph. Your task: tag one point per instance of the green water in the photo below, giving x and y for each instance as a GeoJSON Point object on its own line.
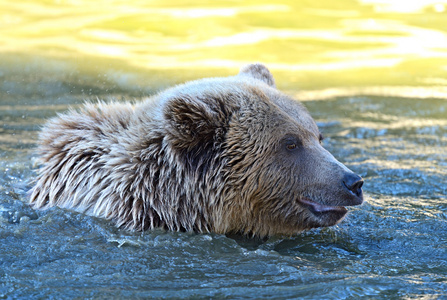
{"type": "Point", "coordinates": [373, 75]}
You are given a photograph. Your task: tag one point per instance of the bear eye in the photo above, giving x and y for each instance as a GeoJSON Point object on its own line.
{"type": "Point", "coordinates": [291, 146]}
{"type": "Point", "coordinates": [291, 143]}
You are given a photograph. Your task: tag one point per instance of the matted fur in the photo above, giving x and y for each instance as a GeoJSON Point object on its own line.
{"type": "Point", "coordinates": [204, 156]}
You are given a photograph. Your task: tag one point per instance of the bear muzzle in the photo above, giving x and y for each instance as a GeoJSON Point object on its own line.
{"type": "Point", "coordinates": [349, 194]}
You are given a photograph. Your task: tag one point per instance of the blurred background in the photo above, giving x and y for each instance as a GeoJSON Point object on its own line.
{"type": "Point", "coordinates": [345, 46]}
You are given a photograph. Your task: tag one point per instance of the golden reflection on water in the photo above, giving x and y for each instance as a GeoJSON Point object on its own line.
{"type": "Point", "coordinates": [405, 6]}
{"type": "Point", "coordinates": [346, 47]}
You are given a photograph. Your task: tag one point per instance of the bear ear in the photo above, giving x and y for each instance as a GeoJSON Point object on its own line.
{"type": "Point", "coordinates": [260, 72]}
{"type": "Point", "coordinates": [191, 124]}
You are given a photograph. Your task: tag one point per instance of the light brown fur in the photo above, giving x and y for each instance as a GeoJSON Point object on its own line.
{"type": "Point", "coordinates": [208, 156]}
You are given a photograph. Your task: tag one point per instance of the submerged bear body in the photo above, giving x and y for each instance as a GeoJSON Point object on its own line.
{"type": "Point", "coordinates": [225, 155]}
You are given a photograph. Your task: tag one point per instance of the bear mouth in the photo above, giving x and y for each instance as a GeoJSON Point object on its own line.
{"type": "Point", "coordinates": [319, 209]}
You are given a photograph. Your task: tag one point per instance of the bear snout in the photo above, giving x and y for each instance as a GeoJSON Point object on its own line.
{"type": "Point", "coordinates": [352, 184]}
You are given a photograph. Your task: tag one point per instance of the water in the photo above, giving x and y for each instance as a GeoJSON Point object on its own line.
{"type": "Point", "coordinates": [384, 118]}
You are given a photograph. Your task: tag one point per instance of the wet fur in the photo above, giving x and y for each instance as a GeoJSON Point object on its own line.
{"type": "Point", "coordinates": [198, 157]}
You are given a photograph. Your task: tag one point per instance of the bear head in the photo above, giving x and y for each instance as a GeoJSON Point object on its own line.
{"type": "Point", "coordinates": [256, 155]}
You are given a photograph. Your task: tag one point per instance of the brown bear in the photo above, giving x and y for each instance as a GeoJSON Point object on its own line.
{"type": "Point", "coordinates": [227, 155]}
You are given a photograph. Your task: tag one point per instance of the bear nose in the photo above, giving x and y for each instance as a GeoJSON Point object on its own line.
{"type": "Point", "coordinates": [353, 183]}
